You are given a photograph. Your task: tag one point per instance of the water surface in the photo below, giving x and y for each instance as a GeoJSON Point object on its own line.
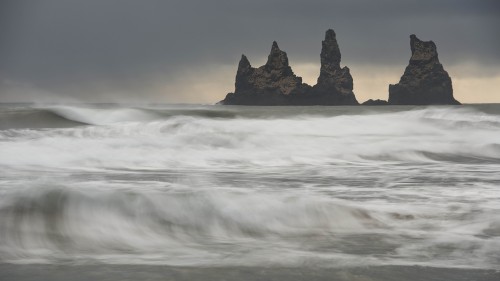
{"type": "Point", "coordinates": [234, 190]}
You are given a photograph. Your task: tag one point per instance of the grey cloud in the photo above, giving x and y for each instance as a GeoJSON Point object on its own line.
{"type": "Point", "coordinates": [76, 46]}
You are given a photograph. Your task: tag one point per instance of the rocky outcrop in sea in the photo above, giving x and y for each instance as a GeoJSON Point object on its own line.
{"type": "Point", "coordinates": [275, 83]}
{"type": "Point", "coordinates": [375, 102]}
{"type": "Point", "coordinates": [270, 84]}
{"type": "Point", "coordinates": [424, 82]}
{"type": "Point", "coordinates": [334, 83]}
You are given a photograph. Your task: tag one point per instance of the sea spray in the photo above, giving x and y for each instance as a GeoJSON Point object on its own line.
{"type": "Point", "coordinates": [209, 185]}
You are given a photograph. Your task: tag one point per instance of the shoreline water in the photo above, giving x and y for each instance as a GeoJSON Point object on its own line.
{"type": "Point", "coordinates": [379, 193]}
{"type": "Point", "coordinates": [138, 272]}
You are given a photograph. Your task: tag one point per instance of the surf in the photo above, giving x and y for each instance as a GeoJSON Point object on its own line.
{"type": "Point", "coordinates": [204, 185]}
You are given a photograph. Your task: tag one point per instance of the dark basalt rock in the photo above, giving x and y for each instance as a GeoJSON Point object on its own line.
{"type": "Point", "coordinates": [424, 81]}
{"type": "Point", "coordinates": [275, 83]}
{"type": "Point", "coordinates": [375, 102]}
{"type": "Point", "coordinates": [334, 86]}
{"type": "Point", "coordinates": [269, 84]}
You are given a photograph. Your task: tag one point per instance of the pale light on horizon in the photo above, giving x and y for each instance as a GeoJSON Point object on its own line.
{"type": "Point", "coordinates": [209, 85]}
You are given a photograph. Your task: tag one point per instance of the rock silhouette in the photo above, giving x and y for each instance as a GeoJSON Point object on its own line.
{"type": "Point", "coordinates": [269, 84]}
{"type": "Point", "coordinates": [375, 102]}
{"type": "Point", "coordinates": [424, 81]}
{"type": "Point", "coordinates": [334, 86]}
{"type": "Point", "coordinates": [275, 83]}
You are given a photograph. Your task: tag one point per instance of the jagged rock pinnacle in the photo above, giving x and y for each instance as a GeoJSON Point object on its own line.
{"type": "Point", "coordinates": [330, 35]}
{"type": "Point", "coordinates": [330, 54]}
{"type": "Point", "coordinates": [424, 81]}
{"type": "Point", "coordinates": [275, 47]}
{"type": "Point", "coordinates": [244, 63]}
{"type": "Point", "coordinates": [266, 85]}
{"type": "Point", "coordinates": [423, 51]}
{"type": "Point", "coordinates": [275, 83]}
{"type": "Point", "coordinates": [277, 59]}
{"type": "Point", "coordinates": [333, 81]}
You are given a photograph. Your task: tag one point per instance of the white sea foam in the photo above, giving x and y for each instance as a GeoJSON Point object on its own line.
{"type": "Point", "coordinates": [101, 116]}
{"type": "Point", "coordinates": [185, 141]}
{"type": "Point", "coordinates": [206, 227]}
{"type": "Point", "coordinates": [194, 187]}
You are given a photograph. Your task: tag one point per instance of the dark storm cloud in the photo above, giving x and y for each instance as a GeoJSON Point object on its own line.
{"type": "Point", "coordinates": [73, 46]}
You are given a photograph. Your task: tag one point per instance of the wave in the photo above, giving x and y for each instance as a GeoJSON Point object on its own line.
{"type": "Point", "coordinates": [102, 116]}
{"type": "Point", "coordinates": [29, 118]}
{"type": "Point", "coordinates": [185, 141]}
{"type": "Point", "coordinates": [70, 116]}
{"type": "Point", "coordinates": [326, 186]}
{"type": "Point", "coordinates": [55, 223]}
{"type": "Point", "coordinates": [234, 227]}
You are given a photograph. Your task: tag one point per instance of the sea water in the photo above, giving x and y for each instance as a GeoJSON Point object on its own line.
{"type": "Point", "coordinates": [203, 187]}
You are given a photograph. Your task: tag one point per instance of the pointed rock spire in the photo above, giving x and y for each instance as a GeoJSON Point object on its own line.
{"type": "Point", "coordinates": [265, 85]}
{"type": "Point", "coordinates": [277, 59]}
{"type": "Point", "coordinates": [330, 53]}
{"type": "Point", "coordinates": [275, 83]}
{"type": "Point", "coordinates": [274, 47]}
{"type": "Point", "coordinates": [423, 51]}
{"type": "Point", "coordinates": [245, 71]}
{"type": "Point", "coordinates": [334, 82]}
{"type": "Point", "coordinates": [330, 35]}
{"type": "Point", "coordinates": [424, 81]}
{"type": "Point", "coordinates": [244, 63]}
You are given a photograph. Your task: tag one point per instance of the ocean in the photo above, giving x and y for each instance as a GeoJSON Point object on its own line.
{"type": "Point", "coordinates": [210, 192]}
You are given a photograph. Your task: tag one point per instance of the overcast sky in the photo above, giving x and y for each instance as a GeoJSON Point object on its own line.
{"type": "Point", "coordinates": [188, 51]}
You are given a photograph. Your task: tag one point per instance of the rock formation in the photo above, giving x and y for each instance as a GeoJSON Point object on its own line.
{"type": "Point", "coordinates": [375, 102]}
{"type": "Point", "coordinates": [269, 84]}
{"type": "Point", "coordinates": [334, 86]}
{"type": "Point", "coordinates": [275, 83]}
{"type": "Point", "coordinates": [424, 81]}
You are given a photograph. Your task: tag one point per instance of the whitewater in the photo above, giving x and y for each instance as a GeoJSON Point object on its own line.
{"type": "Point", "coordinates": [204, 187]}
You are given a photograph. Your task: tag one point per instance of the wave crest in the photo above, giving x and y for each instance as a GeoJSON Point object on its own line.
{"type": "Point", "coordinates": [57, 222]}
{"type": "Point", "coordinates": [419, 136]}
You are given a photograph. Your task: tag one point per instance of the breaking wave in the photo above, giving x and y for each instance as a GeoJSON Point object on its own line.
{"type": "Point", "coordinates": [190, 141]}
{"type": "Point", "coordinates": [201, 185]}
{"type": "Point", "coordinates": [23, 118]}
{"type": "Point", "coordinates": [70, 116]}
{"type": "Point", "coordinates": [53, 224]}
{"type": "Point", "coordinates": [46, 223]}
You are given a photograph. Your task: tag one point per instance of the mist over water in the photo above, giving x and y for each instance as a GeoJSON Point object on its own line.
{"type": "Point", "coordinates": [252, 186]}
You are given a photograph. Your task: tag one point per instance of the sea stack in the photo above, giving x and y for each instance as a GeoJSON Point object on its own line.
{"type": "Point", "coordinates": [375, 102]}
{"type": "Point", "coordinates": [334, 86]}
{"type": "Point", "coordinates": [424, 82]}
{"type": "Point", "coordinates": [270, 84]}
{"type": "Point", "coordinates": [275, 83]}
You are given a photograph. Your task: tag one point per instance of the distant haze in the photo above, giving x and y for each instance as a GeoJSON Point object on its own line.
{"type": "Point", "coordinates": [187, 51]}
